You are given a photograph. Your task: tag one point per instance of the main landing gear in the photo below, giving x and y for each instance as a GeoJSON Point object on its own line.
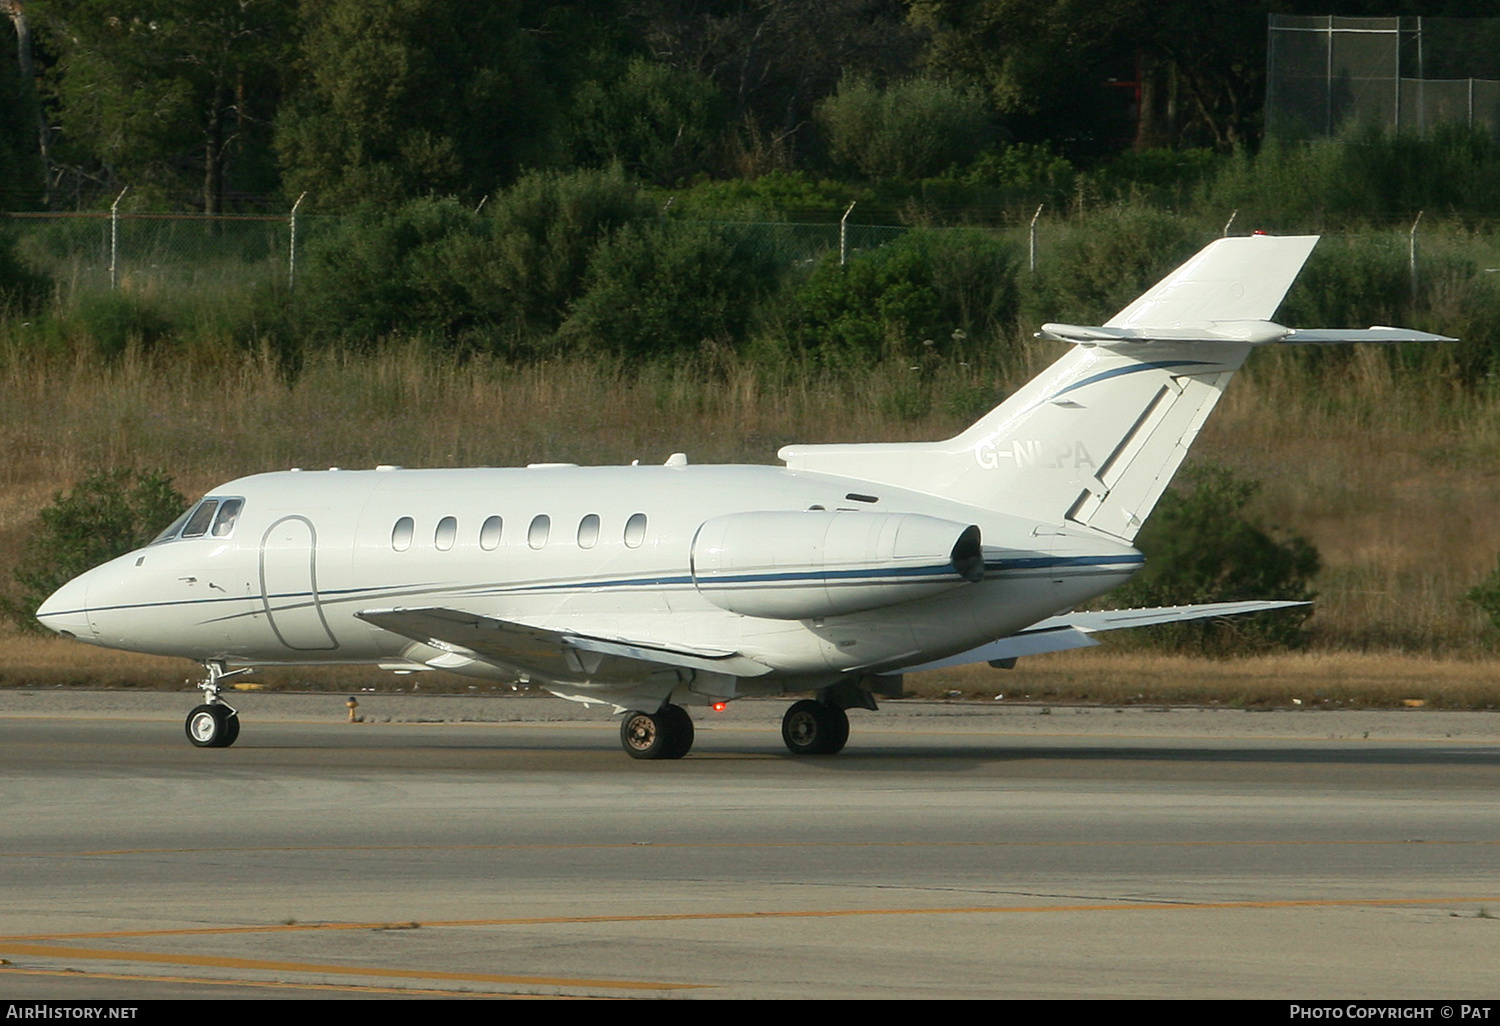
{"type": "Point", "coordinates": [213, 724]}
{"type": "Point", "coordinates": [815, 728]}
{"type": "Point", "coordinates": [809, 728]}
{"type": "Point", "coordinates": [664, 734]}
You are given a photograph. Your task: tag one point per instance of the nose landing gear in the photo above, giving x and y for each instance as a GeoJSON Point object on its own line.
{"type": "Point", "coordinates": [213, 724]}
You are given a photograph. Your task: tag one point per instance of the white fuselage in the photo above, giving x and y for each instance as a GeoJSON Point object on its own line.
{"type": "Point", "coordinates": [310, 549]}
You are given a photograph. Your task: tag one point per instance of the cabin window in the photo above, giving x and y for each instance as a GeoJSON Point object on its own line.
{"type": "Point", "coordinates": [489, 534]}
{"type": "Point", "coordinates": [541, 526]}
{"type": "Point", "coordinates": [447, 530]}
{"type": "Point", "coordinates": [401, 534]}
{"type": "Point", "coordinates": [635, 530]}
{"type": "Point", "coordinates": [588, 531]}
{"type": "Point", "coordinates": [229, 512]}
{"type": "Point", "coordinates": [197, 524]}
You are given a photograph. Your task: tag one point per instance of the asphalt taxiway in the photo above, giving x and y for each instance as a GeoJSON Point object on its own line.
{"type": "Point", "coordinates": [504, 846]}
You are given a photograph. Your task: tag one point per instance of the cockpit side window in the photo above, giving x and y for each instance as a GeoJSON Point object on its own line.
{"type": "Point", "coordinates": [229, 512]}
{"type": "Point", "coordinates": [197, 524]}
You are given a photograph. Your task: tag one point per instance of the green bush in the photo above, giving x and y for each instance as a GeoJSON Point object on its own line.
{"type": "Point", "coordinates": [108, 514]}
{"type": "Point", "coordinates": [1200, 547]}
{"type": "Point", "coordinates": [924, 287]}
{"type": "Point", "coordinates": [657, 121]}
{"type": "Point", "coordinates": [1364, 175]}
{"type": "Point", "coordinates": [772, 196]}
{"type": "Point", "coordinates": [908, 130]}
{"type": "Point", "coordinates": [21, 288]}
{"type": "Point", "coordinates": [115, 320]}
{"type": "Point", "coordinates": [379, 273]}
{"type": "Point", "coordinates": [658, 289]}
{"type": "Point", "coordinates": [528, 270]}
{"type": "Point", "coordinates": [436, 268]}
{"type": "Point", "coordinates": [1025, 167]}
{"type": "Point", "coordinates": [1486, 595]}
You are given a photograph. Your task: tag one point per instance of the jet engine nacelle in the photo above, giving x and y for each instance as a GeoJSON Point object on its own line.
{"type": "Point", "coordinates": [798, 565]}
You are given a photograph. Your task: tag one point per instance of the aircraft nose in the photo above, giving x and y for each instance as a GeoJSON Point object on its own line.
{"type": "Point", "coordinates": [66, 610]}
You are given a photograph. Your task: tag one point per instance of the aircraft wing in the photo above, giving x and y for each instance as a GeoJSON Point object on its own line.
{"type": "Point", "coordinates": [552, 655]}
{"type": "Point", "coordinates": [1073, 630]}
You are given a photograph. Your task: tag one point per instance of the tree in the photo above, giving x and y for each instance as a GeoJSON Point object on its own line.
{"type": "Point", "coordinates": [23, 134]}
{"type": "Point", "coordinates": [419, 97]}
{"type": "Point", "coordinates": [168, 95]}
{"type": "Point", "coordinates": [1097, 75]}
{"type": "Point", "coordinates": [773, 60]}
{"type": "Point", "coordinates": [107, 514]}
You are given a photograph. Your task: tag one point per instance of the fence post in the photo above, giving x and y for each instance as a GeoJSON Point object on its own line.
{"type": "Point", "coordinates": [1031, 239]}
{"type": "Point", "coordinates": [1411, 251]}
{"type": "Point", "coordinates": [114, 239]}
{"type": "Point", "coordinates": [844, 234]}
{"type": "Point", "coordinates": [291, 267]}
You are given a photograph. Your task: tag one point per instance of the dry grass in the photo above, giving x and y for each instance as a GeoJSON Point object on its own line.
{"type": "Point", "coordinates": [1310, 679]}
{"type": "Point", "coordinates": [1098, 676]}
{"type": "Point", "coordinates": [1393, 476]}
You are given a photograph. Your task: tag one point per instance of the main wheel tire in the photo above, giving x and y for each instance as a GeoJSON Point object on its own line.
{"type": "Point", "coordinates": [680, 731]}
{"type": "Point", "coordinates": [212, 726]}
{"type": "Point", "coordinates": [664, 734]}
{"type": "Point", "coordinates": [813, 728]}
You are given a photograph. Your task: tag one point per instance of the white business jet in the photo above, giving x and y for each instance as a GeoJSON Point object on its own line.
{"type": "Point", "coordinates": [652, 588]}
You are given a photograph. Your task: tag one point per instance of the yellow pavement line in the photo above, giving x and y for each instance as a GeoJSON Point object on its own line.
{"type": "Point", "coordinates": [632, 845]}
{"type": "Point", "coordinates": [207, 981]}
{"type": "Point", "coordinates": [20, 942]}
{"type": "Point", "coordinates": [269, 965]}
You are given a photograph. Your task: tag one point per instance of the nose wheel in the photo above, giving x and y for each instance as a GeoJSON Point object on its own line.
{"type": "Point", "coordinates": [213, 726]}
{"type": "Point", "coordinates": [815, 728]}
{"type": "Point", "coordinates": [664, 734]}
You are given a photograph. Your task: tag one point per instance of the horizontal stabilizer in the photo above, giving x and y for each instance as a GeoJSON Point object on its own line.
{"type": "Point", "coordinates": [1375, 334]}
{"type": "Point", "coordinates": [1071, 630]}
{"type": "Point", "coordinates": [551, 655]}
{"type": "Point", "coordinates": [1254, 333]}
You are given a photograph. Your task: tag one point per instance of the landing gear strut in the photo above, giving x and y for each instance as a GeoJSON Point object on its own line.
{"type": "Point", "coordinates": [815, 728]}
{"type": "Point", "coordinates": [664, 734]}
{"type": "Point", "coordinates": [213, 724]}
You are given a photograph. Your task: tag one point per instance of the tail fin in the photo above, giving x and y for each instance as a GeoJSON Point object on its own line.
{"type": "Point", "coordinates": [1096, 438]}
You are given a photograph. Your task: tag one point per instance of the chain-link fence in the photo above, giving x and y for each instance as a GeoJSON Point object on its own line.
{"type": "Point", "coordinates": [1402, 74]}
{"type": "Point", "coordinates": [163, 254]}
{"type": "Point", "coordinates": [157, 253]}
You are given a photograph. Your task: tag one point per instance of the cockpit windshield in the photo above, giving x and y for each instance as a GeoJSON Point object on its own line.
{"type": "Point", "coordinates": [172, 528]}
{"type": "Point", "coordinates": [213, 516]}
{"type": "Point", "coordinates": [197, 524]}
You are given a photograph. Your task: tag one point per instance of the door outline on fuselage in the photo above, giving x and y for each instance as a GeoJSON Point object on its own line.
{"type": "Point", "coordinates": [293, 619]}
